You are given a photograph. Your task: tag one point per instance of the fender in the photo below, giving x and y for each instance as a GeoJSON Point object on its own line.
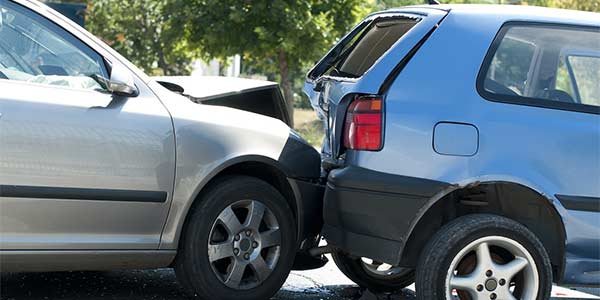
{"type": "Point", "coordinates": [171, 241]}
{"type": "Point", "coordinates": [442, 195]}
{"type": "Point", "coordinates": [299, 163]}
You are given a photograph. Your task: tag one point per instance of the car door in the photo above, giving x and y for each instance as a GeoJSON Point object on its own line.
{"type": "Point", "coordinates": [80, 168]}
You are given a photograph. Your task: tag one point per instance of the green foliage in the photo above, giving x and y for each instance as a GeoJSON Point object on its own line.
{"type": "Point", "coordinates": [302, 29]}
{"type": "Point", "coordinates": [277, 38]}
{"type": "Point", "coordinates": [142, 31]}
{"type": "Point", "coordinates": [588, 5]}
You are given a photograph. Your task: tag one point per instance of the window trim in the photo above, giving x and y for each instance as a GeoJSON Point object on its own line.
{"type": "Point", "coordinates": [521, 100]}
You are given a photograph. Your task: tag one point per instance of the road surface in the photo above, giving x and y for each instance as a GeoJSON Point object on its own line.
{"type": "Point", "coordinates": [326, 283]}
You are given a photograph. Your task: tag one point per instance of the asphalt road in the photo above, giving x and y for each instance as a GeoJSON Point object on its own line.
{"type": "Point", "coordinates": [326, 283]}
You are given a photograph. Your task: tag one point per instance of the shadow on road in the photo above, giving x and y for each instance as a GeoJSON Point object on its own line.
{"type": "Point", "coordinates": [161, 284]}
{"type": "Point", "coordinates": [134, 285]}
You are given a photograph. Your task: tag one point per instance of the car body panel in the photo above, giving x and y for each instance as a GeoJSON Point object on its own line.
{"type": "Point", "coordinates": [547, 150]}
{"type": "Point", "coordinates": [206, 142]}
{"type": "Point", "coordinates": [59, 137]}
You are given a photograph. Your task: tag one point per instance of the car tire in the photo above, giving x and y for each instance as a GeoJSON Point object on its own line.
{"type": "Point", "coordinates": [366, 276]}
{"type": "Point", "coordinates": [480, 256]}
{"type": "Point", "coordinates": [221, 258]}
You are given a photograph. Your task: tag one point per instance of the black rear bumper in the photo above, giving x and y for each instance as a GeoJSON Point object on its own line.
{"type": "Point", "coordinates": [369, 213]}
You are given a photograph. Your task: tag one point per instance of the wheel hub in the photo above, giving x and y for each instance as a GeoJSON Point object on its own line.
{"type": "Point", "coordinates": [246, 244]}
{"type": "Point", "coordinates": [491, 285]}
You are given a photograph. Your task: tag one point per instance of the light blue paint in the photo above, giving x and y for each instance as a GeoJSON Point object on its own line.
{"type": "Point", "coordinates": [455, 139]}
{"type": "Point", "coordinates": [548, 150]}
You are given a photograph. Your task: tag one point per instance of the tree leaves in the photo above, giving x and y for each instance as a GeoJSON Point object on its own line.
{"type": "Point", "coordinates": [142, 31]}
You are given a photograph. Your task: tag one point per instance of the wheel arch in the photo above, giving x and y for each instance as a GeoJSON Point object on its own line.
{"type": "Point", "coordinates": [510, 199]}
{"type": "Point", "coordinates": [261, 167]}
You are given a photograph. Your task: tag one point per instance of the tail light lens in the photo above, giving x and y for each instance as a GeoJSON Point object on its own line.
{"type": "Point", "coordinates": [363, 129]}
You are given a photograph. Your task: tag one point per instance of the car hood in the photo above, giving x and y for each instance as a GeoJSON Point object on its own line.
{"type": "Point", "coordinates": [207, 87]}
{"type": "Point", "coordinates": [257, 96]}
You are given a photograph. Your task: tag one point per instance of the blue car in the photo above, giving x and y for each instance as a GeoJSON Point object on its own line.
{"type": "Point", "coordinates": [463, 150]}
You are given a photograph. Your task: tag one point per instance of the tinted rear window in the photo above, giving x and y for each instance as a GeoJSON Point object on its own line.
{"type": "Point", "coordinates": [369, 45]}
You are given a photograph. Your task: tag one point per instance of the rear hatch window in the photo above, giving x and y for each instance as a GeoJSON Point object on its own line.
{"type": "Point", "coordinates": [376, 39]}
{"type": "Point", "coordinates": [362, 47]}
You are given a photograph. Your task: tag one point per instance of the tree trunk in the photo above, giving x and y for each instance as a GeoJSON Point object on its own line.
{"type": "Point", "coordinates": [162, 62]}
{"type": "Point", "coordinates": [286, 84]}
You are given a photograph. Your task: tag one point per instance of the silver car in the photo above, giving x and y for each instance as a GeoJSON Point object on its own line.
{"type": "Point", "coordinates": [101, 167]}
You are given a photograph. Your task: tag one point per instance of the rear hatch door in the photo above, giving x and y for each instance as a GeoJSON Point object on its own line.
{"type": "Point", "coordinates": [364, 62]}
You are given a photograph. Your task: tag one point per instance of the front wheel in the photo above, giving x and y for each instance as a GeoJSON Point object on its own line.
{"type": "Point", "coordinates": [484, 257]}
{"type": "Point", "coordinates": [239, 243]}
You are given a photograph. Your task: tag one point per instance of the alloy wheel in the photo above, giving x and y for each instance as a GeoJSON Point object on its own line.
{"type": "Point", "coordinates": [244, 244]}
{"type": "Point", "coordinates": [493, 267]}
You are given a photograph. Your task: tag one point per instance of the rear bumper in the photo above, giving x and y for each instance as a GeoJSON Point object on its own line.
{"type": "Point", "coordinates": [369, 214]}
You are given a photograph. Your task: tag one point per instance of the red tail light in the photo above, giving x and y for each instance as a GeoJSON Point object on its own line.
{"type": "Point", "coordinates": [363, 129]}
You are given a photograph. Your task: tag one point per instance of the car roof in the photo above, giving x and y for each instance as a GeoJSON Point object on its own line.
{"type": "Point", "coordinates": [514, 13]}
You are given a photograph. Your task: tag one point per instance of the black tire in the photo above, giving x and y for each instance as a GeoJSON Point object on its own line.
{"type": "Point", "coordinates": [437, 257]}
{"type": "Point", "coordinates": [193, 267]}
{"type": "Point", "coordinates": [354, 268]}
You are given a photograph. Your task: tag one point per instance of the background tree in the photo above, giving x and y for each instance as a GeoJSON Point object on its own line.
{"type": "Point", "coordinates": [141, 31]}
{"type": "Point", "coordinates": [589, 5]}
{"type": "Point", "coordinates": [277, 37]}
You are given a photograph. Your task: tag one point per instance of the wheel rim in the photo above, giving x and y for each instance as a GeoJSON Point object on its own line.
{"type": "Point", "coordinates": [500, 268]}
{"type": "Point", "coordinates": [379, 269]}
{"type": "Point", "coordinates": [244, 244]}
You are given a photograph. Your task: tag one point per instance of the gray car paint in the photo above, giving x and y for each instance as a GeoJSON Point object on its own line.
{"type": "Point", "coordinates": [157, 141]}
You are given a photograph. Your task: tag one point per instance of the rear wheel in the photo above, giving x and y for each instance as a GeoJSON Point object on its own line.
{"type": "Point", "coordinates": [238, 243]}
{"type": "Point", "coordinates": [484, 257]}
{"type": "Point", "coordinates": [373, 275]}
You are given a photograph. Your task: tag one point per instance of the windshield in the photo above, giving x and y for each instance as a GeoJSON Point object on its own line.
{"type": "Point", "coordinates": [35, 50]}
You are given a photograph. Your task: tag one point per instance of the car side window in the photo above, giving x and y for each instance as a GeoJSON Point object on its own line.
{"type": "Point", "coordinates": [542, 65]}
{"type": "Point", "coordinates": [585, 72]}
{"type": "Point", "coordinates": [510, 67]}
{"type": "Point", "coordinates": [35, 50]}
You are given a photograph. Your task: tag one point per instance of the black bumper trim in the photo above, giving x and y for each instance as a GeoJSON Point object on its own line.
{"type": "Point", "coordinates": [68, 193]}
{"type": "Point", "coordinates": [369, 214]}
{"type": "Point", "coordinates": [310, 208]}
{"type": "Point", "coordinates": [300, 160]}
{"type": "Point", "coordinates": [362, 245]}
{"type": "Point", "coordinates": [367, 180]}
{"type": "Point", "coordinates": [580, 203]}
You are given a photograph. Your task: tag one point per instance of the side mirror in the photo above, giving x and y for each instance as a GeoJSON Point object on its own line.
{"type": "Point", "coordinates": [121, 82]}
